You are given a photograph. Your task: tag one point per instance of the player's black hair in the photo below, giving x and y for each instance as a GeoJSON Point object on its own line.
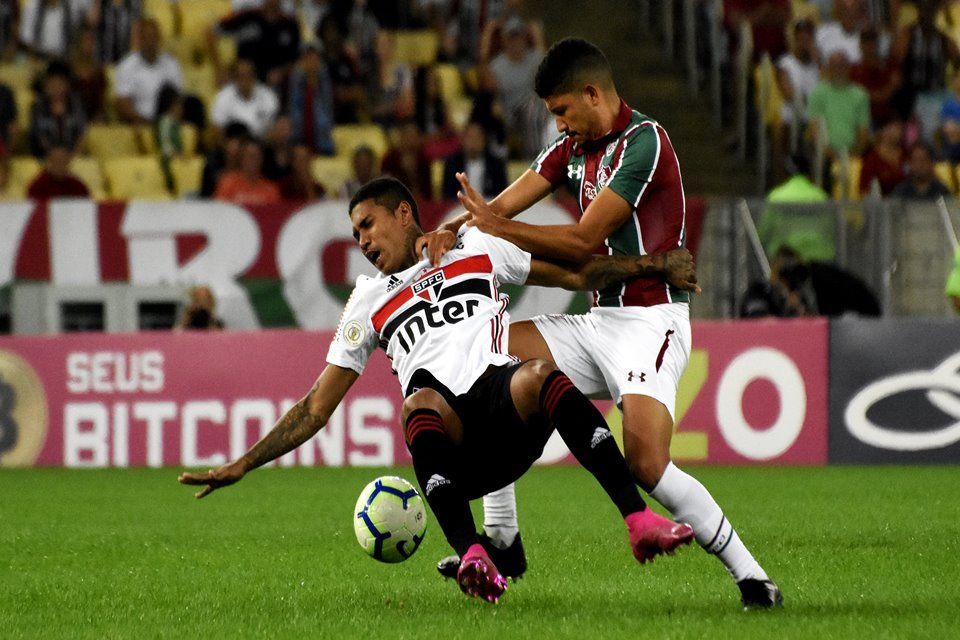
{"type": "Point", "coordinates": [570, 64]}
{"type": "Point", "coordinates": [386, 192]}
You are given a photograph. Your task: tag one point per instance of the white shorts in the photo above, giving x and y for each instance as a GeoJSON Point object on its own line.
{"type": "Point", "coordinates": [614, 351]}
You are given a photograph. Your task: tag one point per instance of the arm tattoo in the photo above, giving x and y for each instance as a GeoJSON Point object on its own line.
{"type": "Point", "coordinates": [604, 271]}
{"type": "Point", "coordinates": [295, 427]}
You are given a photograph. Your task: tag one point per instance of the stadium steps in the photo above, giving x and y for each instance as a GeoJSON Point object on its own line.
{"type": "Point", "coordinates": [654, 88]}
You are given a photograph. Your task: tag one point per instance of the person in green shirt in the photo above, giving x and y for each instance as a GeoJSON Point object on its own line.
{"type": "Point", "coordinates": [843, 106]}
{"type": "Point", "coordinates": [809, 230]}
{"type": "Point", "coordinates": [953, 282]}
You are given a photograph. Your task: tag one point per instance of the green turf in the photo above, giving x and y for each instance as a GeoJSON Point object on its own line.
{"type": "Point", "coordinates": [859, 553]}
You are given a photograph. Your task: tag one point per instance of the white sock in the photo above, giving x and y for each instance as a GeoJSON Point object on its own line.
{"type": "Point", "coordinates": [690, 502]}
{"type": "Point", "coordinates": [500, 516]}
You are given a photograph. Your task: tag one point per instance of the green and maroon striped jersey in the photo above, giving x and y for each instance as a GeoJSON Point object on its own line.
{"type": "Point", "coordinates": [637, 161]}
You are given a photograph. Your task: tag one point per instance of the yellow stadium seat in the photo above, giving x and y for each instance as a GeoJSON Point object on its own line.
{"type": "Point", "coordinates": [136, 177]}
{"type": "Point", "coordinates": [347, 137]}
{"type": "Point", "coordinates": [849, 190]}
{"type": "Point", "coordinates": [24, 99]}
{"type": "Point", "coordinates": [769, 100]}
{"type": "Point", "coordinates": [88, 170]}
{"type": "Point", "coordinates": [162, 12]}
{"type": "Point", "coordinates": [187, 174]}
{"type": "Point", "coordinates": [436, 178]}
{"type": "Point", "coordinates": [18, 75]}
{"type": "Point", "coordinates": [907, 15]}
{"type": "Point", "coordinates": [515, 169]}
{"type": "Point", "coordinates": [944, 173]}
{"type": "Point", "coordinates": [110, 140]}
{"type": "Point", "coordinates": [460, 110]}
{"type": "Point", "coordinates": [188, 134]}
{"type": "Point", "coordinates": [417, 47]}
{"type": "Point", "coordinates": [332, 172]}
{"type": "Point", "coordinates": [23, 169]}
{"type": "Point", "coordinates": [201, 81]}
{"type": "Point", "coordinates": [451, 82]}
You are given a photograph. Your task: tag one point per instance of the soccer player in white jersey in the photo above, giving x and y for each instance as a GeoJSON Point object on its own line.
{"type": "Point", "coordinates": [474, 418]}
{"type": "Point", "coordinates": [634, 344]}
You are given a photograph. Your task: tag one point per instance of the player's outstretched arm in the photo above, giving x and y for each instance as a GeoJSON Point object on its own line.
{"type": "Point", "coordinates": [676, 267]}
{"type": "Point", "coordinates": [297, 425]}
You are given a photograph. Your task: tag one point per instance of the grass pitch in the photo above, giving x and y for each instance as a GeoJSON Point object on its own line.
{"type": "Point", "coordinates": [858, 552]}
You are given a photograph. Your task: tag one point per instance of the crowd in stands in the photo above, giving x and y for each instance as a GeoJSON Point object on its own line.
{"type": "Point", "coordinates": [875, 82]}
{"type": "Point", "coordinates": [258, 101]}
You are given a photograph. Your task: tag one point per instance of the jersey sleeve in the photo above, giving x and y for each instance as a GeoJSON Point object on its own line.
{"type": "Point", "coordinates": [355, 338]}
{"type": "Point", "coordinates": [637, 163]}
{"type": "Point", "coordinates": [552, 161]}
{"type": "Point", "coordinates": [511, 264]}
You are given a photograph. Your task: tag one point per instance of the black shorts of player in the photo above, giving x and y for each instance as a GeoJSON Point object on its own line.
{"type": "Point", "coordinates": [497, 446]}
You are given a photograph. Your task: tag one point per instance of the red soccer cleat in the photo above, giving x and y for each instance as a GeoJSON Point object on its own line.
{"type": "Point", "coordinates": [478, 576]}
{"type": "Point", "coordinates": [651, 534]}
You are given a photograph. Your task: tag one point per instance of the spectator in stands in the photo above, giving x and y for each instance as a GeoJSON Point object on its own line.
{"type": "Point", "coordinates": [768, 20]}
{"type": "Point", "coordinates": [90, 78]}
{"type": "Point", "coordinates": [278, 150]}
{"type": "Point", "coordinates": [141, 74]}
{"type": "Point", "coordinates": [950, 122]}
{"type": "Point", "coordinates": [201, 311]}
{"type": "Point", "coordinates": [493, 37]}
{"type": "Point", "coordinates": [47, 27]}
{"type": "Point", "coordinates": [311, 13]}
{"type": "Point", "coordinates": [844, 33]}
{"type": "Point", "coordinates": [797, 75]}
{"type": "Point", "coordinates": [952, 288]}
{"type": "Point", "coordinates": [884, 162]}
{"type": "Point", "coordinates": [299, 184]}
{"type": "Point", "coordinates": [310, 105]}
{"type": "Point", "coordinates": [487, 172]}
{"type": "Point", "coordinates": [268, 36]}
{"type": "Point", "coordinates": [245, 100]}
{"type": "Point", "coordinates": [9, 29]}
{"type": "Point", "coordinates": [807, 228]}
{"type": "Point", "coordinates": [921, 182]}
{"type": "Point", "coordinates": [843, 106]}
{"type": "Point", "coordinates": [224, 158]}
{"type": "Point", "coordinates": [56, 119]}
{"type": "Point", "coordinates": [113, 22]}
{"type": "Point", "coordinates": [364, 164]}
{"type": "Point", "coordinates": [514, 70]}
{"type": "Point", "coordinates": [349, 93]}
{"type": "Point", "coordinates": [406, 161]}
{"type": "Point", "coordinates": [391, 86]}
{"type": "Point", "coordinates": [167, 129]}
{"type": "Point", "coordinates": [246, 185]}
{"type": "Point", "coordinates": [363, 33]}
{"type": "Point", "coordinates": [56, 180]}
{"type": "Point", "coordinates": [8, 116]}
{"type": "Point", "coordinates": [923, 52]}
{"type": "Point", "coordinates": [440, 136]}
{"type": "Point", "coordinates": [879, 75]}
{"type": "Point", "coordinates": [488, 111]}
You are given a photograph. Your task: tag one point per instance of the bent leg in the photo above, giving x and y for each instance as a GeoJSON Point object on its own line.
{"type": "Point", "coordinates": [647, 430]}
{"type": "Point", "coordinates": [431, 429]}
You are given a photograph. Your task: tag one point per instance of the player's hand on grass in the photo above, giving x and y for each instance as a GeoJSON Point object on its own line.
{"type": "Point", "coordinates": [214, 478]}
{"type": "Point", "coordinates": [680, 271]}
{"type": "Point", "coordinates": [436, 243]}
{"type": "Point", "coordinates": [481, 215]}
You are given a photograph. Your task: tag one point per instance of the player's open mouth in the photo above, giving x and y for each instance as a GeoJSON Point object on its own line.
{"type": "Point", "coordinates": [373, 257]}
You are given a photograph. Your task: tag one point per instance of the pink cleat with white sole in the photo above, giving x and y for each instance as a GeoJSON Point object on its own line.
{"type": "Point", "coordinates": [478, 576]}
{"type": "Point", "coordinates": [651, 534]}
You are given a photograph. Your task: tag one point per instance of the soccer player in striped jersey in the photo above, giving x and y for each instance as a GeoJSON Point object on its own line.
{"type": "Point", "coordinates": [634, 344]}
{"type": "Point", "coordinates": [474, 417]}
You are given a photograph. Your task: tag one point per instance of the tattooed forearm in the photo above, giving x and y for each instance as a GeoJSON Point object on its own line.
{"type": "Point", "coordinates": [604, 271]}
{"type": "Point", "coordinates": [296, 427]}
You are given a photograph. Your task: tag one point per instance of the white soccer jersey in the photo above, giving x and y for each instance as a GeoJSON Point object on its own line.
{"type": "Point", "coordinates": [451, 320]}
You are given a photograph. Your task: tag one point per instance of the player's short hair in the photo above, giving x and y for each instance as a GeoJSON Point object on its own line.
{"type": "Point", "coordinates": [388, 193]}
{"type": "Point", "coordinates": [569, 65]}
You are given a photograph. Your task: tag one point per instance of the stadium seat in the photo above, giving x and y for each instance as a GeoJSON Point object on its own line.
{"type": "Point", "coordinates": [17, 75]}
{"type": "Point", "coordinates": [162, 12]}
{"type": "Point", "coordinates": [88, 170]}
{"type": "Point", "coordinates": [460, 110]}
{"type": "Point", "coordinates": [137, 177]}
{"type": "Point", "coordinates": [196, 17]}
{"type": "Point", "coordinates": [515, 169]}
{"type": "Point", "coordinates": [23, 169]}
{"type": "Point", "coordinates": [417, 48]}
{"type": "Point", "coordinates": [451, 82]}
{"type": "Point", "coordinates": [436, 178]}
{"type": "Point", "coordinates": [187, 175]}
{"type": "Point", "coordinates": [332, 172]}
{"type": "Point", "coordinates": [107, 141]}
{"type": "Point", "coordinates": [944, 173]}
{"type": "Point", "coordinates": [849, 189]}
{"type": "Point", "coordinates": [201, 81]}
{"type": "Point", "coordinates": [188, 133]}
{"type": "Point", "coordinates": [347, 137]}
{"type": "Point", "coordinates": [24, 99]}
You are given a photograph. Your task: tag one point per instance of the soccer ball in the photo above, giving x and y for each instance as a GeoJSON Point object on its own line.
{"type": "Point", "coordinates": [390, 519]}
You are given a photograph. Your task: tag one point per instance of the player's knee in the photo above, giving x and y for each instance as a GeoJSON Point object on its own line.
{"type": "Point", "coordinates": [647, 469]}
{"type": "Point", "coordinates": [539, 370]}
{"type": "Point", "coordinates": [422, 399]}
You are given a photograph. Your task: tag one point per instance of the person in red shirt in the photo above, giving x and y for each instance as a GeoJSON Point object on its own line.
{"type": "Point", "coordinates": [880, 76]}
{"type": "Point", "coordinates": [246, 185]}
{"type": "Point", "coordinates": [884, 162]}
{"type": "Point", "coordinates": [299, 184]}
{"type": "Point", "coordinates": [55, 180]}
{"type": "Point", "coordinates": [407, 162]}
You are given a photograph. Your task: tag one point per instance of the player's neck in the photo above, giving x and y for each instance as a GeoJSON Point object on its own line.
{"type": "Point", "coordinates": [608, 114]}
